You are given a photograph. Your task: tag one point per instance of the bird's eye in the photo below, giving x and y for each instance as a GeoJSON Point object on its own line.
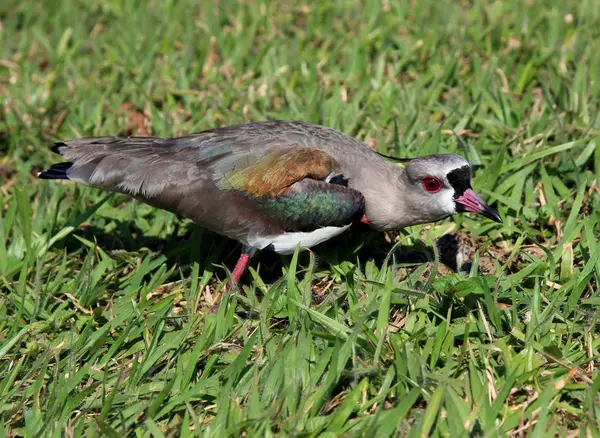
{"type": "Point", "coordinates": [432, 184]}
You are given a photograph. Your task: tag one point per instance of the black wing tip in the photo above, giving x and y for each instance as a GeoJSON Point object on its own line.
{"type": "Point", "coordinates": [55, 147]}
{"type": "Point", "coordinates": [56, 171]}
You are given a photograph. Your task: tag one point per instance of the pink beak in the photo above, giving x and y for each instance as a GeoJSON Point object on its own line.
{"type": "Point", "coordinates": [470, 201]}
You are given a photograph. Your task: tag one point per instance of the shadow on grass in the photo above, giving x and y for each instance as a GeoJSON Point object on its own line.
{"type": "Point", "coordinates": [189, 243]}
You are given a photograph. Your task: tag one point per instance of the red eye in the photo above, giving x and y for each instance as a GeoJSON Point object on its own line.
{"type": "Point", "coordinates": [432, 184]}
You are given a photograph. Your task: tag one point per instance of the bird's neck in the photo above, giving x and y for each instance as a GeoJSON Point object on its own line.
{"type": "Point", "coordinates": [387, 206]}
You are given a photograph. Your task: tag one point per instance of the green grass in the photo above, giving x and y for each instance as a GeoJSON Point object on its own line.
{"type": "Point", "coordinates": [103, 323]}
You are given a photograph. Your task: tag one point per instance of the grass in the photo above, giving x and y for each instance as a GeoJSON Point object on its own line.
{"type": "Point", "coordinates": [103, 323]}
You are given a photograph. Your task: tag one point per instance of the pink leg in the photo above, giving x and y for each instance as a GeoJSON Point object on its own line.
{"type": "Point", "coordinates": [240, 267]}
{"type": "Point", "coordinates": [236, 274]}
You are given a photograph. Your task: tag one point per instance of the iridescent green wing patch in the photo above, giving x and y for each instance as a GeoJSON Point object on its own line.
{"type": "Point", "coordinates": [311, 204]}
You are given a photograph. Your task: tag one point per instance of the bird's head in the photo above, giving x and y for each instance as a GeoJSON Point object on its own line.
{"type": "Point", "coordinates": [441, 186]}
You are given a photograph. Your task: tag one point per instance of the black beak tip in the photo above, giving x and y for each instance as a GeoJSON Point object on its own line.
{"type": "Point", "coordinates": [492, 214]}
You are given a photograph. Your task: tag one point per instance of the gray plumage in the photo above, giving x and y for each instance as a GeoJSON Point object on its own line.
{"type": "Point", "coordinates": [184, 175]}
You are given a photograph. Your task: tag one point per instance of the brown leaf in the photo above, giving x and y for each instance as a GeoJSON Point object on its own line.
{"type": "Point", "coordinates": [137, 120]}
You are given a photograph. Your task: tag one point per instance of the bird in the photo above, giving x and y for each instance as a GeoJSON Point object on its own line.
{"type": "Point", "coordinates": [274, 185]}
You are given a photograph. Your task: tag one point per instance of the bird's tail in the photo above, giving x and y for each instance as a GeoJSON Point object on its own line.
{"type": "Point", "coordinates": [122, 164]}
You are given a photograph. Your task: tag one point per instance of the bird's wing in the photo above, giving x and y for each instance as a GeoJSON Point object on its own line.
{"type": "Point", "coordinates": [303, 188]}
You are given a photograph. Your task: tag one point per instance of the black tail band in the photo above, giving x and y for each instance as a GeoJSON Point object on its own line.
{"type": "Point", "coordinates": [55, 147]}
{"type": "Point", "coordinates": [56, 171]}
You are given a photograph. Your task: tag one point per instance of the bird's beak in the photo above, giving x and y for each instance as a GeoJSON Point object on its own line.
{"type": "Point", "coordinates": [471, 201]}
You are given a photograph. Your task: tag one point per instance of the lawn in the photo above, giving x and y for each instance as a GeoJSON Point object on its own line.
{"type": "Point", "coordinates": [104, 329]}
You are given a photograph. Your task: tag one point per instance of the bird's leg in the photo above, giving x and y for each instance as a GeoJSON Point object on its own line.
{"type": "Point", "coordinates": [236, 274]}
{"type": "Point", "coordinates": [240, 266]}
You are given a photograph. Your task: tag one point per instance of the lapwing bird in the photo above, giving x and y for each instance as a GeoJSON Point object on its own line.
{"type": "Point", "coordinates": [273, 185]}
